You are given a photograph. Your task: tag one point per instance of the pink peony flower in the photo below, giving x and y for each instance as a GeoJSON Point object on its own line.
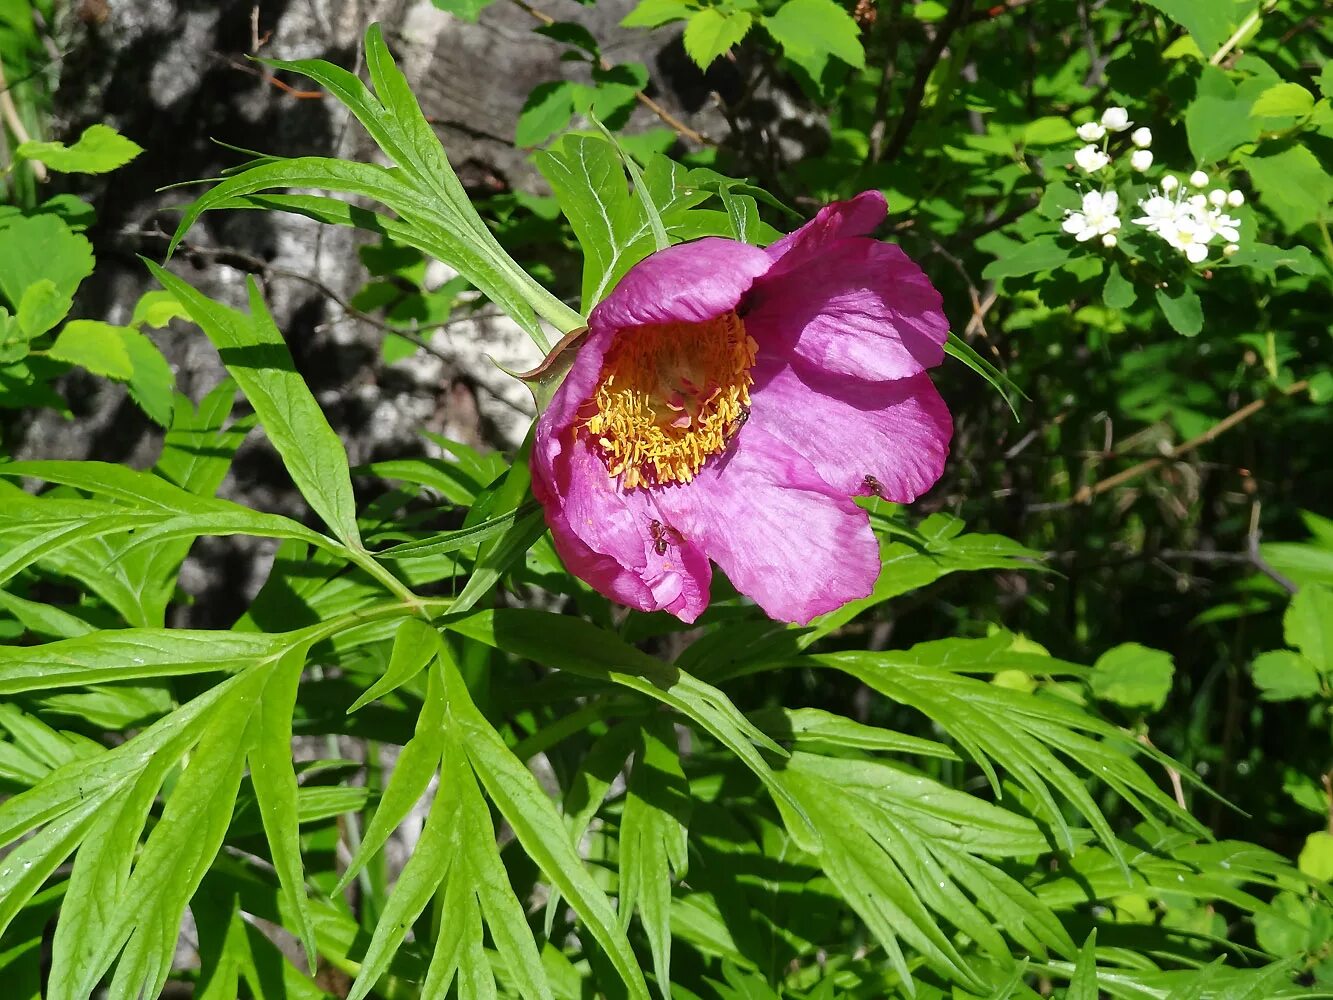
{"type": "Point", "coordinates": [729, 402]}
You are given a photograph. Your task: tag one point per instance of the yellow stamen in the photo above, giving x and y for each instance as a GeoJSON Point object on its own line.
{"type": "Point", "coordinates": [670, 397]}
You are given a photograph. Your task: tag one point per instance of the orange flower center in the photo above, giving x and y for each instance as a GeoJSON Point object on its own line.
{"type": "Point", "coordinates": [670, 397]}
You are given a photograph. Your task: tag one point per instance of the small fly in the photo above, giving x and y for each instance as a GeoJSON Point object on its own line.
{"type": "Point", "coordinates": [873, 486]}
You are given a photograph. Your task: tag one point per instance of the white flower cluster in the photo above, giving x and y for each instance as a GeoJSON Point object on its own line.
{"type": "Point", "coordinates": [1188, 222]}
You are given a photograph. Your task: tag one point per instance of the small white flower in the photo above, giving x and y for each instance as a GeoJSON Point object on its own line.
{"type": "Point", "coordinates": [1199, 179]}
{"type": "Point", "coordinates": [1116, 119]}
{"type": "Point", "coordinates": [1169, 183]}
{"type": "Point", "coordinates": [1098, 217]}
{"type": "Point", "coordinates": [1235, 199]}
{"type": "Point", "coordinates": [1090, 131]}
{"type": "Point", "coordinates": [1158, 211]}
{"type": "Point", "coordinates": [1141, 137]}
{"type": "Point", "coordinates": [1198, 201]}
{"type": "Point", "coordinates": [1217, 197]}
{"type": "Point", "coordinates": [1223, 225]}
{"type": "Point", "coordinates": [1109, 240]}
{"type": "Point", "coordinates": [1141, 159]}
{"type": "Point", "coordinates": [1091, 159]}
{"type": "Point", "coordinates": [1230, 250]}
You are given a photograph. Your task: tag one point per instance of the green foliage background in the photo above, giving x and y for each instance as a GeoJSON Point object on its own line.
{"type": "Point", "coordinates": [1077, 743]}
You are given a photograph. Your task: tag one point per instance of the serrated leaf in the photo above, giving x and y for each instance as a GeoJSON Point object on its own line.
{"type": "Point", "coordinates": [711, 32]}
{"type": "Point", "coordinates": [1308, 625]}
{"type": "Point", "coordinates": [655, 13]}
{"type": "Point", "coordinates": [1316, 858]}
{"type": "Point", "coordinates": [152, 383]}
{"type": "Point", "coordinates": [1283, 675]}
{"type": "Point", "coordinates": [37, 247]}
{"type": "Point", "coordinates": [1033, 257]}
{"type": "Point", "coordinates": [42, 307]}
{"type": "Point", "coordinates": [812, 31]}
{"type": "Point", "coordinates": [1208, 22]}
{"type": "Point", "coordinates": [1134, 676]}
{"type": "Point", "coordinates": [1283, 100]}
{"type": "Point", "coordinates": [98, 150]}
{"type": "Point", "coordinates": [96, 346]}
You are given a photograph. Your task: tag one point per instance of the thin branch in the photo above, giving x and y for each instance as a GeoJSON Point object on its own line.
{"type": "Point", "coordinates": [10, 113]}
{"type": "Point", "coordinates": [1087, 493]}
{"type": "Point", "coordinates": [1177, 786]}
{"type": "Point", "coordinates": [957, 15]}
{"type": "Point", "coordinates": [667, 118]}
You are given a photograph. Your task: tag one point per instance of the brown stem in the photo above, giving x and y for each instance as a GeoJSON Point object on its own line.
{"type": "Point", "coordinates": [957, 15]}
{"type": "Point", "coordinates": [1087, 493]}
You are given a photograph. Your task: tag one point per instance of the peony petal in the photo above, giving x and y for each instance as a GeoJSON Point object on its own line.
{"type": "Point", "coordinates": [686, 283]}
{"type": "Point", "coordinates": [783, 536]}
{"type": "Point", "coordinates": [898, 432]}
{"type": "Point", "coordinates": [606, 537]}
{"type": "Point", "coordinates": [860, 308]}
{"type": "Point", "coordinates": [855, 217]}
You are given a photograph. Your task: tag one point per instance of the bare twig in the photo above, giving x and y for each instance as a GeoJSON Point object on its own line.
{"type": "Point", "coordinates": [957, 15]}
{"type": "Point", "coordinates": [1087, 493]}
{"type": "Point", "coordinates": [1177, 787]}
{"type": "Point", "coordinates": [1253, 554]}
{"type": "Point", "coordinates": [666, 117]}
{"type": "Point", "coordinates": [10, 113]}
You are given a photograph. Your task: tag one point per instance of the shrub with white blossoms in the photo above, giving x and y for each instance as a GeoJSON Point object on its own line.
{"type": "Point", "coordinates": [1185, 216]}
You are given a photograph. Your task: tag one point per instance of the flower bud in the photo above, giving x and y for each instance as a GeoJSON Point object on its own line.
{"type": "Point", "coordinates": [1090, 131]}
{"type": "Point", "coordinates": [1169, 183]}
{"type": "Point", "coordinates": [1109, 240]}
{"type": "Point", "coordinates": [1217, 197]}
{"type": "Point", "coordinates": [1235, 199]}
{"type": "Point", "coordinates": [1199, 179]}
{"type": "Point", "coordinates": [1198, 201]}
{"type": "Point", "coordinates": [1141, 159]}
{"type": "Point", "coordinates": [1141, 137]}
{"type": "Point", "coordinates": [1230, 250]}
{"type": "Point", "coordinates": [1116, 119]}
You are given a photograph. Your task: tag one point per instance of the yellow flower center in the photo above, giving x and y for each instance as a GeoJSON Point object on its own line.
{"type": "Point", "coordinates": [670, 397]}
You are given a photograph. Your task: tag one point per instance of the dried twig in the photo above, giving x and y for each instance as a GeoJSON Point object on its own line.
{"type": "Point", "coordinates": [10, 113]}
{"type": "Point", "coordinates": [957, 15]}
{"type": "Point", "coordinates": [1086, 493]}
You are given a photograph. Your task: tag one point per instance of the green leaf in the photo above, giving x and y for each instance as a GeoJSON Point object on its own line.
{"type": "Point", "coordinates": [547, 110]}
{"type": "Point", "coordinates": [1316, 859]}
{"type": "Point", "coordinates": [467, 10]}
{"type": "Point", "coordinates": [1292, 184]}
{"type": "Point", "coordinates": [37, 247]}
{"type": "Point", "coordinates": [414, 645]}
{"type": "Point", "coordinates": [539, 828]}
{"type": "Point", "coordinates": [810, 31]}
{"type": "Point", "coordinates": [655, 13]}
{"type": "Point", "coordinates": [1134, 676]}
{"type": "Point", "coordinates": [1283, 100]}
{"type": "Point", "coordinates": [711, 32]}
{"type": "Point", "coordinates": [1218, 119]}
{"type": "Point", "coordinates": [1282, 675]}
{"type": "Point", "coordinates": [654, 840]}
{"type": "Point", "coordinates": [1308, 625]}
{"type": "Point", "coordinates": [156, 309]}
{"type": "Point", "coordinates": [257, 358]}
{"type": "Point", "coordinates": [1207, 21]}
{"type": "Point", "coordinates": [1182, 309]}
{"type": "Point", "coordinates": [96, 346]}
{"type": "Point", "coordinates": [1083, 983]}
{"type": "Point", "coordinates": [1118, 293]}
{"type": "Point", "coordinates": [42, 307]}
{"type": "Point", "coordinates": [274, 780]}
{"type": "Point", "coordinates": [960, 350]}
{"type": "Point", "coordinates": [1267, 259]}
{"type": "Point", "coordinates": [98, 150]}
{"type": "Point", "coordinates": [1033, 257]}
{"type": "Point", "coordinates": [152, 383]}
